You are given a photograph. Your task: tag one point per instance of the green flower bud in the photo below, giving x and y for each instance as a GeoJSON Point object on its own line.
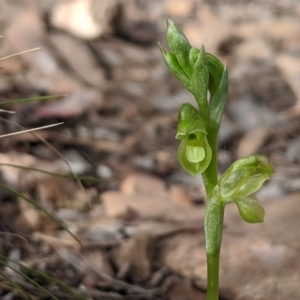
{"type": "Point", "coordinates": [180, 45]}
{"type": "Point", "coordinates": [194, 153]}
{"type": "Point", "coordinates": [244, 177]}
{"type": "Point", "coordinates": [251, 210]}
{"type": "Point", "coordinates": [200, 80]}
{"type": "Point", "coordinates": [174, 67]}
{"type": "Point", "coordinates": [215, 68]}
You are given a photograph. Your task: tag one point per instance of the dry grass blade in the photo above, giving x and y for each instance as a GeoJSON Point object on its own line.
{"type": "Point", "coordinates": [68, 176]}
{"type": "Point", "coordinates": [54, 150]}
{"type": "Point", "coordinates": [31, 130]}
{"type": "Point", "coordinates": [7, 111]}
{"type": "Point", "coordinates": [29, 279]}
{"type": "Point", "coordinates": [5, 187]}
{"type": "Point", "coordinates": [47, 277]}
{"type": "Point", "coordinates": [40, 98]}
{"type": "Point", "coordinates": [17, 286]}
{"type": "Point", "coordinates": [19, 53]}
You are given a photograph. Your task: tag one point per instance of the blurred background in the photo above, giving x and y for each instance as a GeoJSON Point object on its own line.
{"type": "Point", "coordinates": [141, 224]}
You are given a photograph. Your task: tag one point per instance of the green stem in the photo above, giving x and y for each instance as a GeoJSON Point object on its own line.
{"type": "Point", "coordinates": [214, 216]}
{"type": "Point", "coordinates": [210, 176]}
{"type": "Point", "coordinates": [213, 231]}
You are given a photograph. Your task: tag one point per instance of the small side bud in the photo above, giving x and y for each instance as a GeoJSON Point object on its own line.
{"type": "Point", "coordinates": [174, 66]}
{"type": "Point", "coordinates": [244, 177]}
{"type": "Point", "coordinates": [251, 210]}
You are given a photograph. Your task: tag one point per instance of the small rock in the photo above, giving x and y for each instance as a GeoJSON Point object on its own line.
{"type": "Point", "coordinates": [26, 32]}
{"type": "Point", "coordinates": [87, 19]}
{"type": "Point", "coordinates": [104, 172]}
{"type": "Point", "coordinates": [70, 49]}
{"type": "Point", "coordinates": [144, 184]}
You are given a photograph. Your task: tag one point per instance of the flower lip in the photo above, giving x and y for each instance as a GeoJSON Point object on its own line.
{"type": "Point", "coordinates": [194, 152]}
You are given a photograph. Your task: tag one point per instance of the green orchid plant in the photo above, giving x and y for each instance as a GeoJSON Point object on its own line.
{"type": "Point", "coordinates": [206, 78]}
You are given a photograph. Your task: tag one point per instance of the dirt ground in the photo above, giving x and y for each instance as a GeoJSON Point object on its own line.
{"type": "Point", "coordinates": [141, 222]}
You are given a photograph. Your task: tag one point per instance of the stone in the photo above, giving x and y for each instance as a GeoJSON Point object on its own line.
{"type": "Point", "coordinates": [27, 31]}
{"type": "Point", "coordinates": [144, 184]}
{"type": "Point", "coordinates": [87, 19]}
{"type": "Point", "coordinates": [70, 49]}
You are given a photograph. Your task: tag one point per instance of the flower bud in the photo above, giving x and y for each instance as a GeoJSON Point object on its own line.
{"type": "Point", "coordinates": [215, 68]}
{"type": "Point", "coordinates": [200, 80]}
{"type": "Point", "coordinates": [174, 67]}
{"type": "Point", "coordinates": [180, 45]}
{"type": "Point", "coordinates": [194, 153]}
{"type": "Point", "coordinates": [244, 177]}
{"type": "Point", "coordinates": [251, 210]}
